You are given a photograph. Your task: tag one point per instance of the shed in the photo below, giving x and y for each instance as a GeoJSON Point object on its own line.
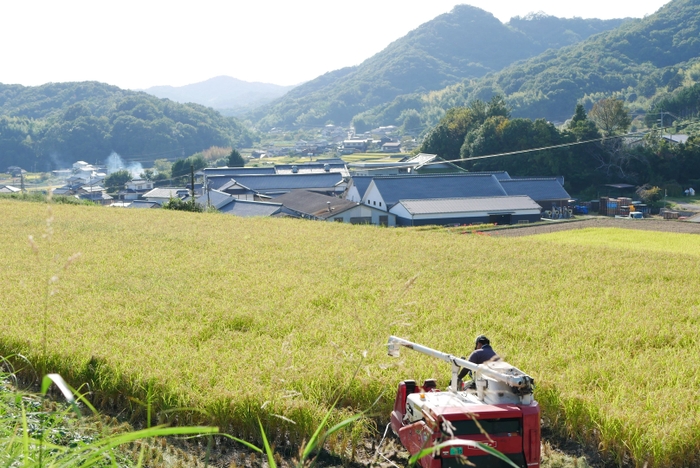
{"type": "Point", "coordinates": [473, 210]}
{"type": "Point", "coordinates": [547, 192]}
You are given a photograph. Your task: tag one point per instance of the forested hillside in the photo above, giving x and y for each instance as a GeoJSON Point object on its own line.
{"type": "Point", "coordinates": [51, 126]}
{"type": "Point", "coordinates": [642, 62]}
{"type": "Point", "coordinates": [465, 43]}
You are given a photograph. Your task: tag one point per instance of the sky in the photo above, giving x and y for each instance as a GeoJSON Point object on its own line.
{"type": "Point", "coordinates": [139, 44]}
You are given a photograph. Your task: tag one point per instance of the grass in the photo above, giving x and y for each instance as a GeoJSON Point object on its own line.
{"type": "Point", "coordinates": [247, 318]}
{"type": "Point", "coordinates": [39, 432]}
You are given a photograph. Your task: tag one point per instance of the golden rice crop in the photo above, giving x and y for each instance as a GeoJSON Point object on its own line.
{"type": "Point", "coordinates": [224, 314]}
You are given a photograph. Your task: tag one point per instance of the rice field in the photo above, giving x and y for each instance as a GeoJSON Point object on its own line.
{"type": "Point", "coordinates": [228, 319]}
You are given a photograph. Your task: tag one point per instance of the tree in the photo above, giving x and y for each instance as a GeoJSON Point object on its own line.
{"type": "Point", "coordinates": [181, 167]}
{"type": "Point", "coordinates": [447, 137]}
{"type": "Point", "coordinates": [180, 205]}
{"type": "Point", "coordinates": [581, 127]}
{"type": "Point", "coordinates": [611, 116]}
{"type": "Point", "coordinates": [116, 180]}
{"type": "Point", "coordinates": [649, 194]}
{"type": "Point", "coordinates": [235, 159]}
{"type": "Point", "coordinates": [162, 169]}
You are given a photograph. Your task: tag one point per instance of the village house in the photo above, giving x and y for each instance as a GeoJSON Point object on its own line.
{"type": "Point", "coordinates": [162, 195]}
{"type": "Point", "coordinates": [310, 205]}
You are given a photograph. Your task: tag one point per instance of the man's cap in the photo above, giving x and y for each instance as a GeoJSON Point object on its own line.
{"type": "Point", "coordinates": [482, 339]}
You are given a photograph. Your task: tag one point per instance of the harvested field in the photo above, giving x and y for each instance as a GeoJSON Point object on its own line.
{"type": "Point", "coordinates": [641, 224]}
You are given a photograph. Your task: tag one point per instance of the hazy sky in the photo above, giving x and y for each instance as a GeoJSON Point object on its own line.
{"type": "Point", "coordinates": [138, 44]}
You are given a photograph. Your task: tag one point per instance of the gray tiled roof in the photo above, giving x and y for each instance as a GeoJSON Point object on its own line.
{"type": "Point", "coordinates": [234, 171]}
{"type": "Point", "coordinates": [287, 182]}
{"type": "Point", "coordinates": [395, 188]}
{"type": "Point", "coordinates": [314, 204]}
{"type": "Point", "coordinates": [143, 204]}
{"type": "Point", "coordinates": [8, 189]}
{"type": "Point", "coordinates": [247, 208]}
{"type": "Point", "coordinates": [539, 189]}
{"type": "Point", "coordinates": [218, 182]}
{"type": "Point", "coordinates": [215, 198]}
{"type": "Point", "coordinates": [337, 165]}
{"type": "Point", "coordinates": [166, 192]}
{"type": "Point", "coordinates": [467, 205]}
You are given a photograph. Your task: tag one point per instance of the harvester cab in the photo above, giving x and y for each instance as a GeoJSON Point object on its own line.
{"type": "Point", "coordinates": [499, 411]}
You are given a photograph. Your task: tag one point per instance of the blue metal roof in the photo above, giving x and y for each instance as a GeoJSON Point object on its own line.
{"type": "Point", "coordinates": [539, 189]}
{"type": "Point", "coordinates": [361, 183]}
{"type": "Point", "coordinates": [287, 182]}
{"type": "Point", "coordinates": [500, 175]}
{"type": "Point", "coordinates": [395, 188]}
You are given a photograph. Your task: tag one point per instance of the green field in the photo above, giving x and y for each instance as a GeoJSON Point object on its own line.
{"type": "Point", "coordinates": [245, 317]}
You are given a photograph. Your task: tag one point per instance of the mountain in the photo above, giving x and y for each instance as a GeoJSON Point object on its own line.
{"type": "Point", "coordinates": [643, 62]}
{"type": "Point", "coordinates": [51, 126]}
{"type": "Point", "coordinates": [465, 43]}
{"type": "Point", "coordinates": [222, 93]}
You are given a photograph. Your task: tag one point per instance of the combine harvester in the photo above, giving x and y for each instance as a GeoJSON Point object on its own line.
{"type": "Point", "coordinates": [499, 411]}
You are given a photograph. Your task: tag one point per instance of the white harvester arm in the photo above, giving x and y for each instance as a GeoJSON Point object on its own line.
{"type": "Point", "coordinates": [519, 383]}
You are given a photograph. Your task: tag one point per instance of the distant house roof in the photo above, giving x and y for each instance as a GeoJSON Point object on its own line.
{"type": "Point", "coordinates": [332, 165]}
{"type": "Point", "coordinates": [248, 208]}
{"type": "Point", "coordinates": [539, 189]}
{"type": "Point", "coordinates": [235, 171]}
{"type": "Point", "coordinates": [9, 189]}
{"type": "Point", "coordinates": [467, 205]}
{"type": "Point", "coordinates": [214, 198]}
{"type": "Point", "coordinates": [422, 161]}
{"type": "Point", "coordinates": [314, 204]}
{"type": "Point", "coordinates": [167, 192]}
{"type": "Point", "coordinates": [395, 188]}
{"type": "Point", "coordinates": [65, 190]}
{"type": "Point", "coordinates": [677, 138]}
{"type": "Point", "coordinates": [283, 183]}
{"type": "Point", "coordinates": [143, 204]}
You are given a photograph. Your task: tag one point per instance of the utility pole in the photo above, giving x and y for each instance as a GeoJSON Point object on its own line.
{"type": "Point", "coordinates": [206, 187]}
{"type": "Point", "coordinates": [192, 184]}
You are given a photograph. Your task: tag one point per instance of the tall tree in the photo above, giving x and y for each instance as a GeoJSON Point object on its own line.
{"type": "Point", "coordinates": [581, 126]}
{"type": "Point", "coordinates": [611, 116]}
{"type": "Point", "coordinates": [235, 159]}
{"type": "Point", "coordinates": [116, 180]}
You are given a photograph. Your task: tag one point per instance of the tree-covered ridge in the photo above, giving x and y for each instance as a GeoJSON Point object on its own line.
{"type": "Point", "coordinates": [640, 62]}
{"type": "Point", "coordinates": [53, 125]}
{"type": "Point", "coordinates": [465, 43]}
{"type": "Point", "coordinates": [577, 151]}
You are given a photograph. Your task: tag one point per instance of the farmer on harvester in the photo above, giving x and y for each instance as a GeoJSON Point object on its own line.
{"type": "Point", "coordinates": [483, 352]}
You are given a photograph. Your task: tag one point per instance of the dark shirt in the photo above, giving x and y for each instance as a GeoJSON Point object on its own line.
{"type": "Point", "coordinates": [479, 356]}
